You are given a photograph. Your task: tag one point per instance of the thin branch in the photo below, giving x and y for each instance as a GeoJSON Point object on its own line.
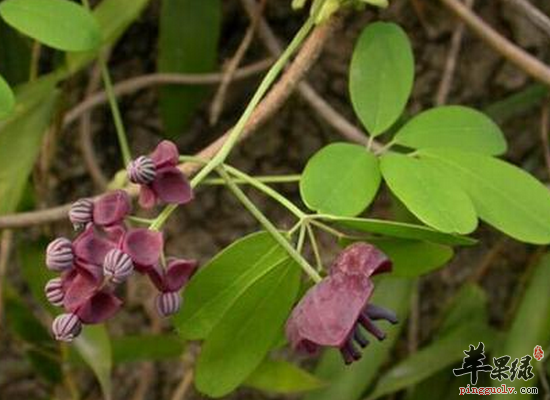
{"type": "Point", "coordinates": [323, 109]}
{"type": "Point", "coordinates": [86, 142]}
{"type": "Point", "coordinates": [507, 49]}
{"type": "Point", "coordinates": [133, 85]}
{"type": "Point", "coordinates": [536, 16]}
{"type": "Point", "coordinates": [273, 101]}
{"type": "Point", "coordinates": [6, 241]}
{"type": "Point", "coordinates": [219, 98]}
{"type": "Point", "coordinates": [450, 64]}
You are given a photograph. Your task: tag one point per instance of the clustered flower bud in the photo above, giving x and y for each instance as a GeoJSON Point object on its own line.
{"type": "Point", "coordinates": [142, 170]}
{"type": "Point", "coordinates": [81, 213]}
{"type": "Point", "coordinates": [106, 252]}
{"type": "Point", "coordinates": [118, 266]}
{"type": "Point", "coordinates": [168, 303]}
{"type": "Point", "coordinates": [66, 327]}
{"type": "Point", "coordinates": [59, 255]}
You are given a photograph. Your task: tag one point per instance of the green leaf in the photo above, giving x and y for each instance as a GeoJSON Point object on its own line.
{"type": "Point", "coordinates": [455, 127]}
{"type": "Point", "coordinates": [350, 382]}
{"type": "Point", "coordinates": [401, 230]}
{"type": "Point", "coordinates": [41, 350]}
{"type": "Point", "coordinates": [469, 304]}
{"type": "Point", "coordinates": [60, 24]}
{"type": "Point", "coordinates": [503, 195]}
{"type": "Point", "coordinates": [230, 274]}
{"type": "Point", "coordinates": [146, 348]}
{"type": "Point", "coordinates": [340, 179]}
{"type": "Point", "coordinates": [530, 326]}
{"type": "Point", "coordinates": [429, 194]}
{"type": "Point", "coordinates": [441, 354]}
{"type": "Point", "coordinates": [94, 346]}
{"type": "Point", "coordinates": [246, 332]}
{"type": "Point", "coordinates": [21, 137]}
{"type": "Point", "coordinates": [188, 43]}
{"type": "Point", "coordinates": [15, 55]}
{"type": "Point", "coordinates": [412, 258]}
{"type": "Point", "coordinates": [7, 99]}
{"type": "Point", "coordinates": [282, 377]}
{"type": "Point", "coordinates": [381, 75]}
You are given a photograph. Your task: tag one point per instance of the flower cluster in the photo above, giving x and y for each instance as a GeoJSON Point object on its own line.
{"type": "Point", "coordinates": [106, 251]}
{"type": "Point", "coordinates": [335, 311]}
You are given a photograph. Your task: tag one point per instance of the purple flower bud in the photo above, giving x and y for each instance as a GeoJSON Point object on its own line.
{"type": "Point", "coordinates": [54, 291]}
{"type": "Point", "coordinates": [117, 266]}
{"type": "Point", "coordinates": [59, 255]}
{"type": "Point", "coordinates": [168, 303]}
{"type": "Point", "coordinates": [81, 212]}
{"type": "Point", "coordinates": [66, 327]}
{"type": "Point", "coordinates": [142, 170]}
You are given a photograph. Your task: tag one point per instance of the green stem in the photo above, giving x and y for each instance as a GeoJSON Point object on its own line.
{"type": "Point", "coordinates": [162, 217]}
{"type": "Point", "coordinates": [301, 238]}
{"type": "Point", "coordinates": [266, 83]}
{"type": "Point", "coordinates": [139, 220]}
{"type": "Point", "coordinates": [315, 248]}
{"type": "Point", "coordinates": [117, 119]}
{"type": "Point", "coordinates": [268, 226]}
{"type": "Point", "coordinates": [261, 179]}
{"type": "Point", "coordinates": [267, 190]}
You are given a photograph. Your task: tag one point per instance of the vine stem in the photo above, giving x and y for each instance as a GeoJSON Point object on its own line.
{"type": "Point", "coordinates": [266, 83]}
{"type": "Point", "coordinates": [268, 226]}
{"type": "Point", "coordinates": [115, 111]}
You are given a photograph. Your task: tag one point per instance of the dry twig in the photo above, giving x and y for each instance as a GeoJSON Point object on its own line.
{"type": "Point", "coordinates": [272, 102]}
{"type": "Point", "coordinates": [537, 17]}
{"type": "Point", "coordinates": [6, 240]}
{"type": "Point", "coordinates": [507, 49]}
{"type": "Point", "coordinates": [544, 122]}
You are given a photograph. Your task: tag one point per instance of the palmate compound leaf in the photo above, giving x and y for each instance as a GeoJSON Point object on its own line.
{"type": "Point", "coordinates": [429, 194]}
{"type": "Point", "coordinates": [241, 339]}
{"type": "Point", "coordinates": [455, 127]}
{"type": "Point", "coordinates": [503, 195]}
{"type": "Point", "coordinates": [340, 179]}
{"type": "Point", "coordinates": [219, 284]}
{"type": "Point", "coordinates": [381, 76]}
{"type": "Point", "coordinates": [61, 24]}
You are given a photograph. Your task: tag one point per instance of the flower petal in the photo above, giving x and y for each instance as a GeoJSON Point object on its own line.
{"type": "Point", "coordinates": [79, 287]}
{"type": "Point", "coordinates": [361, 259]}
{"type": "Point", "coordinates": [90, 247]}
{"type": "Point", "coordinates": [111, 208]}
{"type": "Point", "coordinates": [166, 154]}
{"type": "Point", "coordinates": [171, 186]}
{"type": "Point", "coordinates": [327, 314]}
{"type": "Point", "coordinates": [178, 273]}
{"type": "Point", "coordinates": [143, 246]}
{"type": "Point", "coordinates": [100, 307]}
{"type": "Point", "coordinates": [147, 197]}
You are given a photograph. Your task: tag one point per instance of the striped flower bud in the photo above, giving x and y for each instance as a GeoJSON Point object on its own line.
{"type": "Point", "coordinates": [142, 170]}
{"type": "Point", "coordinates": [66, 327]}
{"type": "Point", "coordinates": [54, 291]}
{"type": "Point", "coordinates": [81, 212]}
{"type": "Point", "coordinates": [168, 303]}
{"type": "Point", "coordinates": [59, 255]}
{"type": "Point", "coordinates": [117, 266]}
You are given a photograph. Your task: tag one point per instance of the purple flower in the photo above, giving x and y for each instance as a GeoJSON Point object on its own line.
{"type": "Point", "coordinates": [144, 247]}
{"type": "Point", "coordinates": [168, 303]}
{"type": "Point", "coordinates": [81, 212]}
{"type": "Point", "coordinates": [111, 208]}
{"type": "Point", "coordinates": [54, 291]}
{"type": "Point", "coordinates": [66, 327]}
{"type": "Point", "coordinates": [160, 179]}
{"type": "Point", "coordinates": [334, 312]}
{"type": "Point", "coordinates": [175, 276]}
{"type": "Point", "coordinates": [59, 255]}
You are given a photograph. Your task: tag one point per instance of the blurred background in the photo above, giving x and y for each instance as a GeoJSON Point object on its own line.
{"type": "Point", "coordinates": [495, 290]}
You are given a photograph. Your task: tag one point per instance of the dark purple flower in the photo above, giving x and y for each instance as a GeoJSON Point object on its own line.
{"type": "Point", "coordinates": [81, 212]}
{"type": "Point", "coordinates": [54, 291]}
{"type": "Point", "coordinates": [335, 312]}
{"type": "Point", "coordinates": [66, 327]}
{"type": "Point", "coordinates": [175, 276]}
{"type": "Point", "coordinates": [111, 208]}
{"type": "Point", "coordinates": [117, 266]}
{"type": "Point", "coordinates": [160, 179]}
{"type": "Point", "coordinates": [168, 303]}
{"type": "Point", "coordinates": [59, 255]}
{"type": "Point", "coordinates": [144, 247]}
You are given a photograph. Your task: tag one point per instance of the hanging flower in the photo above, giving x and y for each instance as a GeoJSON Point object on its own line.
{"type": "Point", "coordinates": [107, 210]}
{"type": "Point", "coordinates": [159, 177]}
{"type": "Point", "coordinates": [336, 311]}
